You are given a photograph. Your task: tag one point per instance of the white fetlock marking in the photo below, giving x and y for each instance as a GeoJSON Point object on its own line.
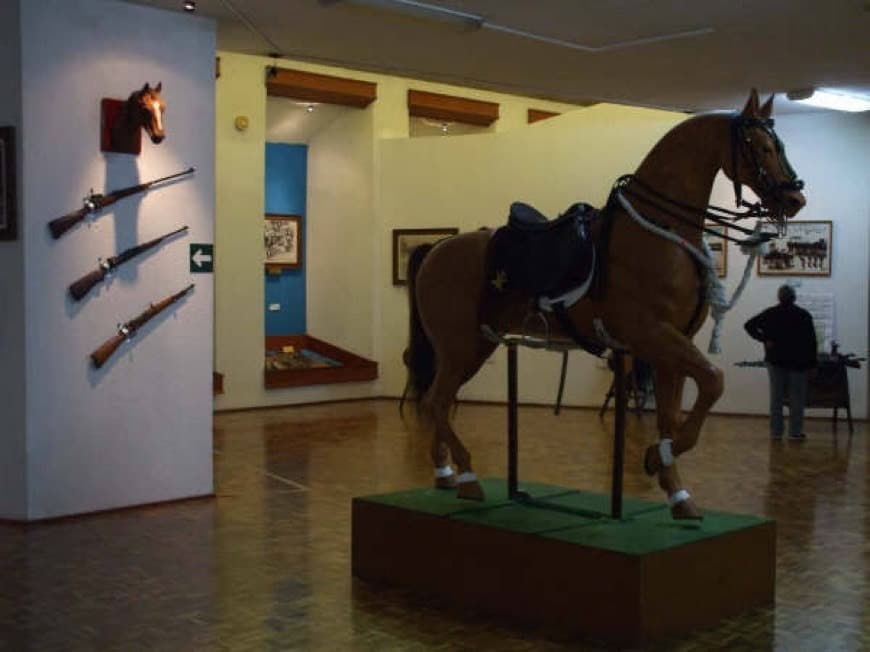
{"type": "Point", "coordinates": [665, 452]}
{"type": "Point", "coordinates": [680, 496]}
{"type": "Point", "coordinates": [443, 471]}
{"type": "Point", "coordinates": [468, 476]}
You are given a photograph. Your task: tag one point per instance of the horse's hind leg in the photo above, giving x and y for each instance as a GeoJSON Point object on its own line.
{"type": "Point", "coordinates": [458, 361]}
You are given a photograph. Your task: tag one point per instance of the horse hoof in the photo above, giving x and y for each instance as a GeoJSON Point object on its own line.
{"type": "Point", "coordinates": [469, 490]}
{"type": "Point", "coordinates": [652, 461]}
{"type": "Point", "coordinates": [686, 510]}
{"type": "Point", "coordinates": [448, 482]}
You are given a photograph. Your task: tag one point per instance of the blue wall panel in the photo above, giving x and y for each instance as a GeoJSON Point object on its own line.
{"type": "Point", "coordinates": [286, 177]}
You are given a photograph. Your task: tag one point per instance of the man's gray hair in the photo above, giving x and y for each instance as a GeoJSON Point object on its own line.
{"type": "Point", "coordinates": [786, 294]}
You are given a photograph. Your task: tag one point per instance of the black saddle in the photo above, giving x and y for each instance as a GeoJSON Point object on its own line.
{"type": "Point", "coordinates": [541, 257]}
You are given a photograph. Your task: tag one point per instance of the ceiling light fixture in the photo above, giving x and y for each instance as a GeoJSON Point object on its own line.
{"type": "Point", "coordinates": [830, 99]}
{"type": "Point", "coordinates": [189, 5]}
{"type": "Point", "coordinates": [418, 9]}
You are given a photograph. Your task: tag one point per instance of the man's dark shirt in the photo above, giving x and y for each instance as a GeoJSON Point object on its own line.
{"type": "Point", "coordinates": [790, 331]}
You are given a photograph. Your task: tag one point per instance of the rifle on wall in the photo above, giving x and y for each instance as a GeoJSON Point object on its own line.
{"type": "Point", "coordinates": [95, 202]}
{"type": "Point", "coordinates": [84, 285]}
{"type": "Point", "coordinates": [128, 330]}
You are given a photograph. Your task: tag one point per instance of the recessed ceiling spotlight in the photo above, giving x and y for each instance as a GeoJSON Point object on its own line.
{"type": "Point", "coordinates": [190, 5]}
{"type": "Point", "coordinates": [309, 108]}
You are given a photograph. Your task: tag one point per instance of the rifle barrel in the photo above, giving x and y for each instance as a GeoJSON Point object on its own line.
{"type": "Point", "coordinates": [132, 252]}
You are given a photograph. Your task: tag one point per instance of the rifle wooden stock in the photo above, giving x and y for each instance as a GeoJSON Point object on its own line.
{"type": "Point", "coordinates": [129, 329]}
{"type": "Point", "coordinates": [103, 353]}
{"type": "Point", "coordinates": [84, 285]}
{"type": "Point", "coordinates": [63, 224]}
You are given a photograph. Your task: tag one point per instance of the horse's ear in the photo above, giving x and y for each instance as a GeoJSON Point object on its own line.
{"type": "Point", "coordinates": [159, 87]}
{"type": "Point", "coordinates": [767, 108]}
{"type": "Point", "coordinates": [751, 108]}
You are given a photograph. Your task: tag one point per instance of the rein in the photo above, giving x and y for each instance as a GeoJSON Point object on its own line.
{"type": "Point", "coordinates": [713, 213]}
{"type": "Point", "coordinates": [719, 214]}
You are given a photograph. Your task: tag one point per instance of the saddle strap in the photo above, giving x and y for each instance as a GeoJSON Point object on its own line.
{"type": "Point", "coordinates": [593, 346]}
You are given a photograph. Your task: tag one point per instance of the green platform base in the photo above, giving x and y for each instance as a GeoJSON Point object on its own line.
{"type": "Point", "coordinates": [566, 570]}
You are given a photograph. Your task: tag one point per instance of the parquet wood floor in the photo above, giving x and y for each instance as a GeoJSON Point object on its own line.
{"type": "Point", "coordinates": [266, 564]}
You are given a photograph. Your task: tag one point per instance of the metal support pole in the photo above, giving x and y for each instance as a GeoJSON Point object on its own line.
{"type": "Point", "coordinates": [513, 443]}
{"type": "Point", "coordinates": [561, 382]}
{"type": "Point", "coordinates": [618, 434]}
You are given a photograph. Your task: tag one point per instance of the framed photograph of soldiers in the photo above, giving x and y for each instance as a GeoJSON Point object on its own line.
{"type": "Point", "coordinates": [804, 250]}
{"type": "Point", "coordinates": [719, 247]}
{"type": "Point", "coordinates": [406, 240]}
{"type": "Point", "coordinates": [8, 198]}
{"type": "Point", "coordinates": [282, 239]}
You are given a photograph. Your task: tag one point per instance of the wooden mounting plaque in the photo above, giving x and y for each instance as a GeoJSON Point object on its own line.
{"type": "Point", "coordinates": [109, 111]}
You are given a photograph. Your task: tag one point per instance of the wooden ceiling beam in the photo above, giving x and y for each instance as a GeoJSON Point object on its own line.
{"type": "Point", "coordinates": [536, 115]}
{"type": "Point", "coordinates": [296, 84]}
{"type": "Point", "coordinates": [451, 108]}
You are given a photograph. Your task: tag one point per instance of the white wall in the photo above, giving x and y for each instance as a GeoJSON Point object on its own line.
{"type": "Point", "coordinates": [13, 481]}
{"type": "Point", "coordinates": [831, 153]}
{"type": "Point", "coordinates": [340, 227]}
{"type": "Point", "coordinates": [139, 429]}
{"type": "Point", "coordinates": [469, 182]}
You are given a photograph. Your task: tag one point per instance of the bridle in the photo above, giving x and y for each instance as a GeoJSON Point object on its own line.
{"type": "Point", "coordinates": [741, 145]}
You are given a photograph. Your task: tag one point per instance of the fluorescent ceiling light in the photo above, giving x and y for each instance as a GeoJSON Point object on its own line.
{"type": "Point", "coordinates": [420, 10]}
{"type": "Point", "coordinates": [831, 99]}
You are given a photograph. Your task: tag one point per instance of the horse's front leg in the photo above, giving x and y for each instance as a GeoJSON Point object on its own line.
{"type": "Point", "coordinates": [675, 358]}
{"type": "Point", "coordinates": [669, 395]}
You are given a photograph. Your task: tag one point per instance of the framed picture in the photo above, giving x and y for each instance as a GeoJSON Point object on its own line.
{"type": "Point", "coordinates": [282, 239]}
{"type": "Point", "coordinates": [406, 240]}
{"type": "Point", "coordinates": [805, 250]}
{"type": "Point", "coordinates": [719, 246]}
{"type": "Point", "coordinates": [8, 198]}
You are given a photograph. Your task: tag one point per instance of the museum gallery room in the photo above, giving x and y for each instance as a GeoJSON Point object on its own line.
{"type": "Point", "coordinates": [434, 325]}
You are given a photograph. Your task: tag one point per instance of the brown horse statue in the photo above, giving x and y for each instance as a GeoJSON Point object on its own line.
{"type": "Point", "coordinates": [651, 298]}
{"type": "Point", "coordinates": [143, 109]}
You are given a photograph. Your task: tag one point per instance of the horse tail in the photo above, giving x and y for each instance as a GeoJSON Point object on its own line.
{"type": "Point", "coordinates": [419, 357]}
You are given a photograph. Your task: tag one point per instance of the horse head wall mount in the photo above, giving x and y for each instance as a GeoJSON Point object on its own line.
{"type": "Point", "coordinates": [123, 120]}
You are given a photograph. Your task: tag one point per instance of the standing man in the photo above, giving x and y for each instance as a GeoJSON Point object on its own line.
{"type": "Point", "coordinates": [790, 347]}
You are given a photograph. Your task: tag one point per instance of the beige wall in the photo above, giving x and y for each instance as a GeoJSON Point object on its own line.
{"type": "Point", "coordinates": [346, 248]}
{"type": "Point", "coordinates": [470, 181]}
{"type": "Point", "coordinates": [368, 178]}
